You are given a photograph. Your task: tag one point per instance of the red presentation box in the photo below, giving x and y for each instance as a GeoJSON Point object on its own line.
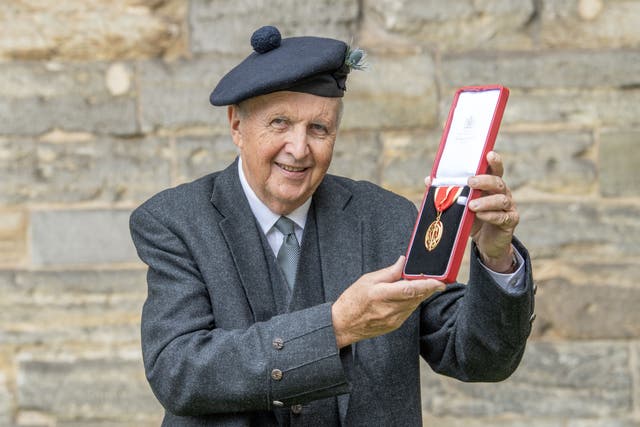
{"type": "Point", "coordinates": [444, 222]}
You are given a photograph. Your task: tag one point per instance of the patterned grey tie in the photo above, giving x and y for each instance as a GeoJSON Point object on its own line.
{"type": "Point", "coordinates": [289, 252]}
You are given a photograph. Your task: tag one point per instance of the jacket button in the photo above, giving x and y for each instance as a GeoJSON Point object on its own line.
{"type": "Point", "coordinates": [278, 343]}
{"type": "Point", "coordinates": [296, 409]}
{"type": "Point", "coordinates": [276, 374]}
{"type": "Point", "coordinates": [277, 403]}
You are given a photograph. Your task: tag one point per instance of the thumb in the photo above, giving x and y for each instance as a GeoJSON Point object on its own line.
{"type": "Point", "coordinates": [390, 274]}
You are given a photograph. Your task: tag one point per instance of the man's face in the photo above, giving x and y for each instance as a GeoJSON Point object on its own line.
{"type": "Point", "coordinates": [286, 143]}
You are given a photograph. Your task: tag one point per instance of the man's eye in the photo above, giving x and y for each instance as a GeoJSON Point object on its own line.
{"type": "Point", "coordinates": [279, 123]}
{"type": "Point", "coordinates": [319, 129]}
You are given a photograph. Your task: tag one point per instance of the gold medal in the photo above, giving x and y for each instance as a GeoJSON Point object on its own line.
{"type": "Point", "coordinates": [434, 234]}
{"type": "Point", "coordinates": [443, 198]}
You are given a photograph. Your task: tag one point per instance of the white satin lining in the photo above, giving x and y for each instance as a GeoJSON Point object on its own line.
{"type": "Point", "coordinates": [467, 137]}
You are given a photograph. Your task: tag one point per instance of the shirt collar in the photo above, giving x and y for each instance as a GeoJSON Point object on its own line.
{"type": "Point", "coordinates": [265, 217]}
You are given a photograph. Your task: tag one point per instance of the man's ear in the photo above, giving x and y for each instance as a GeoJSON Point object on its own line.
{"type": "Point", "coordinates": [233, 115]}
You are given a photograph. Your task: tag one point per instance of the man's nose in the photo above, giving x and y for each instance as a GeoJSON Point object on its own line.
{"type": "Point", "coordinates": [297, 144]}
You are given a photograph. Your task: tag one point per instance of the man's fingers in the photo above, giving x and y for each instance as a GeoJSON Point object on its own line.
{"type": "Point", "coordinates": [494, 202]}
{"type": "Point", "coordinates": [495, 164]}
{"type": "Point", "coordinates": [501, 219]}
{"type": "Point", "coordinates": [490, 184]}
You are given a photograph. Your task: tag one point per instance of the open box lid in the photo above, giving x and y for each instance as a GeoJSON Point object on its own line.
{"type": "Point", "coordinates": [469, 134]}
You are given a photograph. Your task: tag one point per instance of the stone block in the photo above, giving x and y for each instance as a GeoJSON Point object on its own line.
{"type": "Point", "coordinates": [509, 421]}
{"type": "Point", "coordinates": [617, 422]}
{"type": "Point", "coordinates": [547, 69]}
{"type": "Point", "coordinates": [571, 308]}
{"type": "Point", "coordinates": [514, 420]}
{"type": "Point", "coordinates": [577, 231]}
{"type": "Point", "coordinates": [101, 307]}
{"type": "Point", "coordinates": [76, 237]}
{"type": "Point", "coordinates": [18, 165]}
{"type": "Point", "coordinates": [356, 155]}
{"type": "Point", "coordinates": [517, 421]}
{"type": "Point", "coordinates": [226, 27]}
{"type": "Point", "coordinates": [555, 380]}
{"type": "Point", "coordinates": [556, 163]}
{"type": "Point", "coordinates": [27, 418]}
{"type": "Point", "coordinates": [619, 158]}
{"type": "Point", "coordinates": [68, 96]}
{"type": "Point", "coordinates": [151, 422]}
{"type": "Point", "coordinates": [73, 388]}
{"type": "Point", "coordinates": [114, 116]}
{"type": "Point", "coordinates": [636, 375]}
{"type": "Point", "coordinates": [67, 170]}
{"type": "Point", "coordinates": [13, 237]}
{"type": "Point", "coordinates": [407, 158]}
{"type": "Point", "coordinates": [616, 108]}
{"type": "Point", "coordinates": [176, 94]}
{"type": "Point", "coordinates": [590, 24]}
{"type": "Point", "coordinates": [200, 155]}
{"type": "Point", "coordinates": [618, 271]}
{"type": "Point", "coordinates": [573, 107]}
{"type": "Point", "coordinates": [101, 328]}
{"type": "Point", "coordinates": [80, 30]}
{"type": "Point", "coordinates": [395, 92]}
{"type": "Point", "coordinates": [5, 403]}
{"type": "Point", "coordinates": [445, 26]}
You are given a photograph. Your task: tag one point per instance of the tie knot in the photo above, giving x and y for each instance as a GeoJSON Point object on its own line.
{"type": "Point", "coordinates": [285, 225]}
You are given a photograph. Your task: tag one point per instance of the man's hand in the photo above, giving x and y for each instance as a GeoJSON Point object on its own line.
{"type": "Point", "coordinates": [496, 216]}
{"type": "Point", "coordinates": [377, 303]}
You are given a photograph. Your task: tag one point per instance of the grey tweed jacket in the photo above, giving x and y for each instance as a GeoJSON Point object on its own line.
{"type": "Point", "coordinates": [212, 335]}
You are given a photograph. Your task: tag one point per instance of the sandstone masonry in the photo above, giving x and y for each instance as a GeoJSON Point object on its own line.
{"type": "Point", "coordinates": [104, 103]}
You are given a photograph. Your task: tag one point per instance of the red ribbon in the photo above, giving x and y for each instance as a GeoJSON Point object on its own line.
{"type": "Point", "coordinates": [444, 197]}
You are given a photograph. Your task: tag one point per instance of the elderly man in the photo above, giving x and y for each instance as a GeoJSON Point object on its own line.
{"type": "Point", "coordinates": [275, 291]}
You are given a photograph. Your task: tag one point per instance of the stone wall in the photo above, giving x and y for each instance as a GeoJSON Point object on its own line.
{"type": "Point", "coordinates": [104, 103]}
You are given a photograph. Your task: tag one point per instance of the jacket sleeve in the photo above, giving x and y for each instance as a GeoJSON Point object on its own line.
{"type": "Point", "coordinates": [195, 367]}
{"type": "Point", "coordinates": [478, 331]}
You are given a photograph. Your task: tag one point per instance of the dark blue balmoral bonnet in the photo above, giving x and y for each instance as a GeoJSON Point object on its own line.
{"type": "Point", "coordinates": [313, 65]}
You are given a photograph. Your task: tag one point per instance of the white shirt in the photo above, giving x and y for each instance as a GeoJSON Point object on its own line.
{"type": "Point", "coordinates": [266, 219]}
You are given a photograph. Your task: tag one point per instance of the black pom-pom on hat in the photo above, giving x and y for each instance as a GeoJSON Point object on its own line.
{"type": "Point", "coordinates": [265, 39]}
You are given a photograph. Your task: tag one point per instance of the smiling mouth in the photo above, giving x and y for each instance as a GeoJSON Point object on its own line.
{"type": "Point", "coordinates": [291, 168]}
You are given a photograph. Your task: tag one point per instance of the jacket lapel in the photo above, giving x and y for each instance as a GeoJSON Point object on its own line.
{"type": "Point", "coordinates": [339, 236]}
{"type": "Point", "coordinates": [340, 243]}
{"type": "Point", "coordinates": [242, 236]}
